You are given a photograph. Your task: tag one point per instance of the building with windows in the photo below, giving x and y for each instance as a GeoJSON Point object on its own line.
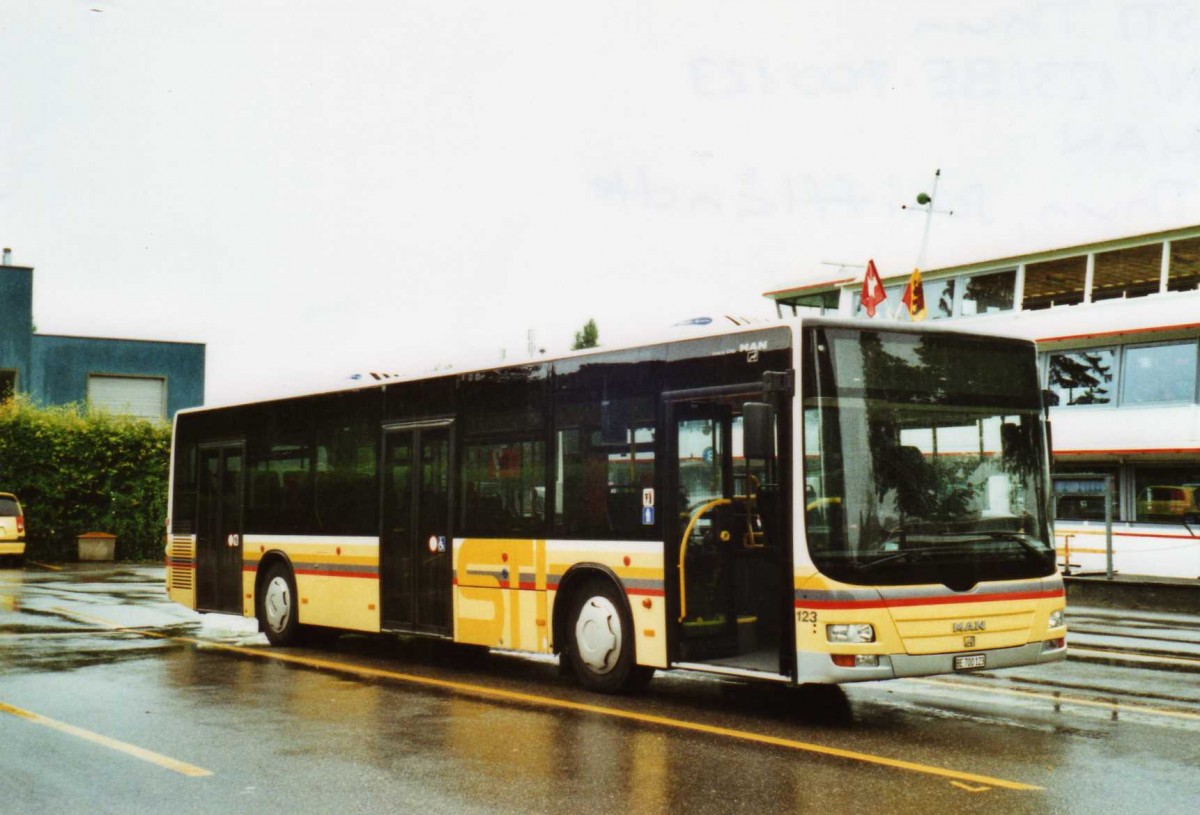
{"type": "Point", "coordinates": [1117, 324]}
{"type": "Point", "coordinates": [149, 379]}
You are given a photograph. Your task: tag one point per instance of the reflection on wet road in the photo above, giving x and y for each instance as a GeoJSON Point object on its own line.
{"type": "Point", "coordinates": [383, 725]}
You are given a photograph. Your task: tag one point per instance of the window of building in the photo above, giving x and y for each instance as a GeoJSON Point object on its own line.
{"type": "Point", "coordinates": [1184, 271]}
{"type": "Point", "coordinates": [142, 396]}
{"type": "Point", "coordinates": [1084, 377]}
{"type": "Point", "coordinates": [939, 298]}
{"type": "Point", "coordinates": [1054, 283]}
{"type": "Point", "coordinates": [1159, 374]}
{"type": "Point", "coordinates": [1167, 494]}
{"type": "Point", "coordinates": [1079, 493]}
{"type": "Point", "coordinates": [8, 384]}
{"type": "Point", "coordinates": [989, 293]}
{"type": "Point", "coordinates": [1127, 272]}
{"type": "Point", "coordinates": [891, 304]}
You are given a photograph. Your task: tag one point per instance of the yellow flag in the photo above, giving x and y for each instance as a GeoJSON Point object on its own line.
{"type": "Point", "coordinates": [914, 297]}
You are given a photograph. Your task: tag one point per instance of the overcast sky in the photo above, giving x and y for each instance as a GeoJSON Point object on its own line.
{"type": "Point", "coordinates": [316, 189]}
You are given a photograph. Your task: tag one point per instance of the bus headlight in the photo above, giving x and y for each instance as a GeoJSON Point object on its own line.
{"type": "Point", "coordinates": [1056, 618]}
{"type": "Point", "coordinates": [850, 632]}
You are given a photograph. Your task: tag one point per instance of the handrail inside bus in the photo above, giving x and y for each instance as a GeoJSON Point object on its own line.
{"type": "Point", "coordinates": [703, 508]}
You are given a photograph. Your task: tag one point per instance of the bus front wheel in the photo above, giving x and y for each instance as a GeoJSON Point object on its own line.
{"type": "Point", "coordinates": [601, 640]}
{"type": "Point", "coordinates": [277, 612]}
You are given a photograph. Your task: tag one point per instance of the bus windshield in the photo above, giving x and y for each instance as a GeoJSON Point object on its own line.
{"type": "Point", "coordinates": [924, 458]}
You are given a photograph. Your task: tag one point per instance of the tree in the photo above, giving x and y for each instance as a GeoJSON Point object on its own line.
{"type": "Point", "coordinates": [79, 471]}
{"type": "Point", "coordinates": [586, 337]}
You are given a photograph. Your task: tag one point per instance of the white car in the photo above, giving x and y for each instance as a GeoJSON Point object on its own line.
{"type": "Point", "coordinates": [12, 528]}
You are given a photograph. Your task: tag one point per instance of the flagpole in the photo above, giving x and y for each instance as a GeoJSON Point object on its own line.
{"type": "Point", "coordinates": [937, 175]}
{"type": "Point", "coordinates": [925, 201]}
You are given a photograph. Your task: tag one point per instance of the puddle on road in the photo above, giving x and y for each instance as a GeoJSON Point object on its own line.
{"type": "Point", "coordinates": [55, 621]}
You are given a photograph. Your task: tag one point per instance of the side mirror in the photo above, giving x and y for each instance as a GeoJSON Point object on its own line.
{"type": "Point", "coordinates": [758, 430]}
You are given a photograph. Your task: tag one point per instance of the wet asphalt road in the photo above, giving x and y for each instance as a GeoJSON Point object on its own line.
{"type": "Point", "coordinates": [114, 700]}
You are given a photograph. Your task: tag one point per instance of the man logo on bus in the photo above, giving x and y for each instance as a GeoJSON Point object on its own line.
{"type": "Point", "coordinates": [970, 625]}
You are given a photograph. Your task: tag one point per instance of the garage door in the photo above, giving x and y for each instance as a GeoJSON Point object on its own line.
{"type": "Point", "coordinates": [142, 396]}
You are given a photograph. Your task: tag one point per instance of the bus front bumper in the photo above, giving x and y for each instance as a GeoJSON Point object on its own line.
{"type": "Point", "coordinates": [819, 668]}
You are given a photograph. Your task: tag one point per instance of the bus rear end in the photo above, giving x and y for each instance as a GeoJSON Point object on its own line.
{"type": "Point", "coordinates": [929, 546]}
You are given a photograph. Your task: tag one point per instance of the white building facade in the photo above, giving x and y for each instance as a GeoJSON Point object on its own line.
{"type": "Point", "coordinates": [1117, 324]}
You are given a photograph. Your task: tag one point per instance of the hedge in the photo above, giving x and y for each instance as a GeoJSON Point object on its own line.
{"type": "Point", "coordinates": [76, 471]}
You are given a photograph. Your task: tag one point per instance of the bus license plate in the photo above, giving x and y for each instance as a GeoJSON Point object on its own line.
{"type": "Point", "coordinates": [970, 662]}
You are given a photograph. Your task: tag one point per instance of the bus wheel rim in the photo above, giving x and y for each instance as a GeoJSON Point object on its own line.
{"type": "Point", "coordinates": [277, 602]}
{"type": "Point", "coordinates": [598, 634]}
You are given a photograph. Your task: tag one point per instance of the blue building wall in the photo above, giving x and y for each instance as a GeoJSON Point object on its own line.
{"type": "Point", "coordinates": [61, 366]}
{"type": "Point", "coordinates": [54, 369]}
{"type": "Point", "coordinates": [16, 321]}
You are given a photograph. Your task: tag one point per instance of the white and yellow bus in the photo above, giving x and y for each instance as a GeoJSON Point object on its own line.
{"type": "Point", "coordinates": [821, 501]}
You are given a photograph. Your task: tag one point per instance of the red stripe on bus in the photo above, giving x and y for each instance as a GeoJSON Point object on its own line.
{"type": "Point", "coordinates": [526, 585]}
{"type": "Point", "coordinates": [1130, 452]}
{"type": "Point", "coordinates": [334, 573]}
{"type": "Point", "coordinates": [926, 601]}
{"type": "Point", "coordinates": [647, 592]}
{"type": "Point", "coordinates": [253, 567]}
{"type": "Point", "coordinates": [1098, 533]}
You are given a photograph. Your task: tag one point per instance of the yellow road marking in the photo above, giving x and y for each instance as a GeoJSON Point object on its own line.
{"type": "Point", "coordinates": [1071, 700]}
{"type": "Point", "coordinates": [562, 704]}
{"type": "Point", "coordinates": [616, 713]}
{"type": "Point", "coordinates": [87, 618]}
{"type": "Point", "coordinates": [968, 787]}
{"type": "Point", "coordinates": [137, 752]}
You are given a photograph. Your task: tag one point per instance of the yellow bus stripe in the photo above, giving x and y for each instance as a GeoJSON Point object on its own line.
{"type": "Point", "coordinates": [174, 765]}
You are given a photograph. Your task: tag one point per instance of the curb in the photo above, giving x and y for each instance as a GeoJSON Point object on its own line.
{"type": "Point", "coordinates": [1133, 659]}
{"type": "Point", "coordinates": [1142, 594]}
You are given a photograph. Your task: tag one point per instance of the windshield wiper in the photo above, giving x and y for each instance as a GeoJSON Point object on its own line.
{"type": "Point", "coordinates": [892, 557]}
{"type": "Point", "coordinates": [1026, 542]}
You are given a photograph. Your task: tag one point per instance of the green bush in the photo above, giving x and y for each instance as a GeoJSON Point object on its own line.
{"type": "Point", "coordinates": [75, 471]}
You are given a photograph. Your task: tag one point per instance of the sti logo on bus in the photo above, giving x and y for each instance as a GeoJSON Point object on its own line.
{"type": "Point", "coordinates": [970, 625]}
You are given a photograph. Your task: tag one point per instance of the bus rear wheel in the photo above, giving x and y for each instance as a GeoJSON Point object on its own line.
{"type": "Point", "coordinates": [277, 607]}
{"type": "Point", "coordinates": [601, 640]}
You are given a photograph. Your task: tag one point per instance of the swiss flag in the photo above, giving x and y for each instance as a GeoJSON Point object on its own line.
{"type": "Point", "coordinates": [872, 289]}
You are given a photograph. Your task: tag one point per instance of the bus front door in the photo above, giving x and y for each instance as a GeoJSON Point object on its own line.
{"type": "Point", "coordinates": [416, 547]}
{"type": "Point", "coordinates": [219, 528]}
{"type": "Point", "coordinates": [726, 550]}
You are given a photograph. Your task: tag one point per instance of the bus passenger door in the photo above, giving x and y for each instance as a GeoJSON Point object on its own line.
{"type": "Point", "coordinates": [219, 528]}
{"type": "Point", "coordinates": [416, 547]}
{"type": "Point", "coordinates": [727, 553]}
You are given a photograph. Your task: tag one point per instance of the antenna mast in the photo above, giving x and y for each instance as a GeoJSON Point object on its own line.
{"type": "Point", "coordinates": [925, 203]}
